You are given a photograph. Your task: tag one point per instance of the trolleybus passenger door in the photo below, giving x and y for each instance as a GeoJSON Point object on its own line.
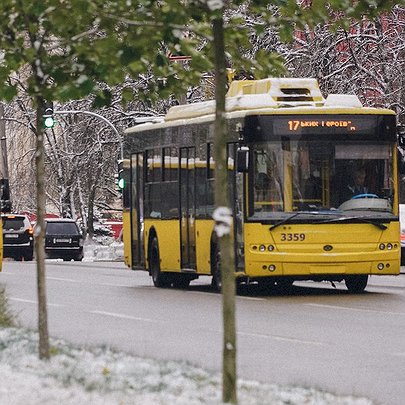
{"type": "Point", "coordinates": [137, 214]}
{"type": "Point", "coordinates": [187, 208]}
{"type": "Point", "coordinates": [235, 180]}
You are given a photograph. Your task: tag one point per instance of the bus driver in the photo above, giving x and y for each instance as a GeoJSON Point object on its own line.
{"type": "Point", "coordinates": [356, 185]}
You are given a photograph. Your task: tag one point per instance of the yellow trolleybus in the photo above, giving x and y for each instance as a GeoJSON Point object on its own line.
{"type": "Point", "coordinates": [313, 187]}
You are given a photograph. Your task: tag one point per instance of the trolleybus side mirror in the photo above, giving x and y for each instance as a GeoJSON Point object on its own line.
{"type": "Point", "coordinates": [242, 158]}
{"type": "Point", "coordinates": [401, 135]}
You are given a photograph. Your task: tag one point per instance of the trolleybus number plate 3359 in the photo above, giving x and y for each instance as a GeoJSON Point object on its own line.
{"type": "Point", "coordinates": [292, 237]}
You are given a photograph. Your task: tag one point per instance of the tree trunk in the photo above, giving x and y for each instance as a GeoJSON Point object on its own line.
{"type": "Point", "coordinates": [40, 234]}
{"type": "Point", "coordinates": [90, 212]}
{"type": "Point", "coordinates": [229, 378]}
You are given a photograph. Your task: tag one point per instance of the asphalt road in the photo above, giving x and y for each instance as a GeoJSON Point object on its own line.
{"type": "Point", "coordinates": [316, 336]}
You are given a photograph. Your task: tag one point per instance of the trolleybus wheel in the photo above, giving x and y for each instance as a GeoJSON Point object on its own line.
{"type": "Point", "coordinates": [181, 281]}
{"type": "Point", "coordinates": [356, 284]}
{"type": "Point", "coordinates": [160, 280]}
{"type": "Point", "coordinates": [216, 282]}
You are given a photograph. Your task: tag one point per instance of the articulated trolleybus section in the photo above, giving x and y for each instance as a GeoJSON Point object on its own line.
{"type": "Point", "coordinates": [312, 185]}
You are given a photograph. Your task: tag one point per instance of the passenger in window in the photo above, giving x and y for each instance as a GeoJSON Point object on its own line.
{"type": "Point", "coordinates": [313, 186]}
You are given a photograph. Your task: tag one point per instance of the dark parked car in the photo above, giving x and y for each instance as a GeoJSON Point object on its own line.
{"type": "Point", "coordinates": [18, 237]}
{"type": "Point", "coordinates": [63, 239]}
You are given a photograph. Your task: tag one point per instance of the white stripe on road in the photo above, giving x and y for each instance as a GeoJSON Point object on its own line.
{"type": "Point", "coordinates": [400, 354]}
{"type": "Point", "coordinates": [35, 302]}
{"type": "Point", "coordinates": [356, 309]}
{"type": "Point", "coordinates": [250, 298]}
{"type": "Point", "coordinates": [86, 281]}
{"type": "Point", "coordinates": [281, 338]}
{"type": "Point", "coordinates": [123, 316]}
{"type": "Point", "coordinates": [116, 285]}
{"type": "Point", "coordinates": [63, 279]}
{"type": "Point", "coordinates": [239, 297]}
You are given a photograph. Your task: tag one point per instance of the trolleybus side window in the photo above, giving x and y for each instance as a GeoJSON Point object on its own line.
{"type": "Point", "coordinates": [210, 176]}
{"type": "Point", "coordinates": [268, 178]}
{"type": "Point", "coordinates": [170, 164]}
{"type": "Point", "coordinates": [153, 206]}
{"type": "Point", "coordinates": [203, 209]}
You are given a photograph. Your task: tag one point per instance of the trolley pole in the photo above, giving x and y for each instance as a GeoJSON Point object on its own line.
{"type": "Point", "coordinates": [5, 201]}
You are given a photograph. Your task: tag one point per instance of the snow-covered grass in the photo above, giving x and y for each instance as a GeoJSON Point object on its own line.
{"type": "Point", "coordinates": [6, 316]}
{"type": "Point", "coordinates": [103, 249]}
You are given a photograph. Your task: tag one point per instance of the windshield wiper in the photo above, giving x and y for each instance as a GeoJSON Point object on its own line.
{"type": "Point", "coordinates": [366, 221]}
{"type": "Point", "coordinates": [288, 219]}
{"type": "Point", "coordinates": [379, 225]}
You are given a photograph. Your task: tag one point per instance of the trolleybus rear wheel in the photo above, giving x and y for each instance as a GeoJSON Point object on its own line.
{"type": "Point", "coordinates": [160, 280]}
{"type": "Point", "coordinates": [357, 283]}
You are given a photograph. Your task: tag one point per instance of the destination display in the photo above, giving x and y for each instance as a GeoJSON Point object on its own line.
{"type": "Point", "coordinates": [296, 125]}
{"type": "Point", "coordinates": [364, 124]}
{"type": "Point", "coordinates": [313, 126]}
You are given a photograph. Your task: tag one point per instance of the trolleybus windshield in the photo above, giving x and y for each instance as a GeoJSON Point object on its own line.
{"type": "Point", "coordinates": [300, 170]}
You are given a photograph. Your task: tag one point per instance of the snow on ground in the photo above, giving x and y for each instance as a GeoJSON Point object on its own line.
{"type": "Point", "coordinates": [103, 249]}
{"type": "Point", "coordinates": [100, 376]}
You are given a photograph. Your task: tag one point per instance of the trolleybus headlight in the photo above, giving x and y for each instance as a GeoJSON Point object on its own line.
{"type": "Point", "coordinates": [270, 248]}
{"type": "Point", "coordinates": [382, 246]}
{"type": "Point", "coordinates": [272, 267]}
{"type": "Point", "coordinates": [389, 246]}
{"type": "Point", "coordinates": [380, 266]}
{"type": "Point", "coordinates": [262, 248]}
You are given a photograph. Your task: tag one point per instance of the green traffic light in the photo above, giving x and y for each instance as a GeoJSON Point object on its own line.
{"type": "Point", "coordinates": [49, 122]}
{"type": "Point", "coordinates": [121, 183]}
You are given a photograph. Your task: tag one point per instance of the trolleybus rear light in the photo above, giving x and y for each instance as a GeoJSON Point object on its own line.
{"type": "Point", "coordinates": [380, 266]}
{"type": "Point", "coordinates": [382, 246]}
{"type": "Point", "coordinates": [262, 248]}
{"type": "Point", "coordinates": [272, 267]}
{"type": "Point", "coordinates": [270, 248]}
{"type": "Point", "coordinates": [389, 246]}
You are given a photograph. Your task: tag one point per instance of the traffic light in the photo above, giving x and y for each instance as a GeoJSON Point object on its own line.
{"type": "Point", "coordinates": [120, 177]}
{"type": "Point", "coordinates": [5, 202]}
{"type": "Point", "coordinates": [121, 183]}
{"type": "Point", "coordinates": [49, 120]}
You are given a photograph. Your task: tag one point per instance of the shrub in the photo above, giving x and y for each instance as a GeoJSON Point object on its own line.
{"type": "Point", "coordinates": [6, 316]}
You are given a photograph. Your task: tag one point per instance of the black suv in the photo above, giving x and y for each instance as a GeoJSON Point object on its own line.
{"type": "Point", "coordinates": [63, 239]}
{"type": "Point", "coordinates": [18, 237]}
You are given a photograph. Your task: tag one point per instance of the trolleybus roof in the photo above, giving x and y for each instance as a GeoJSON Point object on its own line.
{"type": "Point", "coordinates": [267, 96]}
